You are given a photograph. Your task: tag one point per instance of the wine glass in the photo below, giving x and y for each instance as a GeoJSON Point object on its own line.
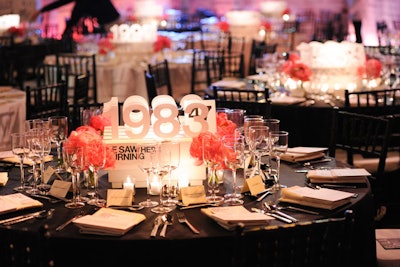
{"type": "Point", "coordinates": [73, 158]}
{"type": "Point", "coordinates": [170, 189]}
{"type": "Point", "coordinates": [20, 149]}
{"type": "Point", "coordinates": [59, 132]}
{"type": "Point", "coordinates": [237, 117]}
{"type": "Point", "coordinates": [258, 135]}
{"type": "Point", "coordinates": [43, 186]}
{"type": "Point", "coordinates": [273, 125]}
{"type": "Point", "coordinates": [248, 122]}
{"type": "Point", "coordinates": [234, 159]}
{"type": "Point", "coordinates": [147, 166]}
{"type": "Point", "coordinates": [161, 168]}
{"type": "Point", "coordinates": [211, 145]}
{"type": "Point", "coordinates": [34, 137]}
{"type": "Point", "coordinates": [279, 146]}
{"type": "Point", "coordinates": [95, 160]}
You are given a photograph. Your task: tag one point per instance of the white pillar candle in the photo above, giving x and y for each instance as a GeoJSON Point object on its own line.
{"type": "Point", "coordinates": [129, 185]}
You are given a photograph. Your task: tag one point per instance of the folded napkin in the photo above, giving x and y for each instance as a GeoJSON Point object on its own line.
{"type": "Point", "coordinates": [323, 198]}
{"type": "Point", "coordinates": [300, 153]}
{"type": "Point", "coordinates": [230, 84]}
{"type": "Point", "coordinates": [3, 178]}
{"type": "Point", "coordinates": [356, 175]}
{"type": "Point", "coordinates": [286, 100]}
{"type": "Point", "coordinates": [107, 221]}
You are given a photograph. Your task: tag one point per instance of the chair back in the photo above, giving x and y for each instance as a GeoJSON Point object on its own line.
{"type": "Point", "coordinates": [253, 101]}
{"type": "Point", "coordinates": [81, 64]}
{"type": "Point", "coordinates": [150, 86]}
{"type": "Point", "coordinates": [199, 70]}
{"type": "Point", "coordinates": [160, 73]}
{"type": "Point", "coordinates": [46, 101]}
{"type": "Point", "coordinates": [6, 41]}
{"type": "Point", "coordinates": [224, 66]}
{"type": "Point", "coordinates": [47, 74]}
{"type": "Point", "coordinates": [258, 49]}
{"type": "Point", "coordinates": [81, 89]}
{"type": "Point", "coordinates": [375, 102]}
{"type": "Point", "coordinates": [324, 242]}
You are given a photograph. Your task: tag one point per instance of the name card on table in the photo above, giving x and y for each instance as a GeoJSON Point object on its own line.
{"type": "Point", "coordinates": [162, 121]}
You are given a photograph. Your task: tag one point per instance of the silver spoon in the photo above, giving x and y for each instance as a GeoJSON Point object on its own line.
{"type": "Point", "coordinates": [157, 223]}
{"type": "Point", "coordinates": [168, 220]}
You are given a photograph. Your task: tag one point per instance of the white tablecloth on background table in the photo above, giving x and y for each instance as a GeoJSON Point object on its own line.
{"type": "Point", "coordinates": [12, 114]}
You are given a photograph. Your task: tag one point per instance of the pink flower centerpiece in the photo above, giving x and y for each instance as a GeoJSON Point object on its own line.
{"type": "Point", "coordinates": [161, 43]}
{"type": "Point", "coordinates": [296, 69]}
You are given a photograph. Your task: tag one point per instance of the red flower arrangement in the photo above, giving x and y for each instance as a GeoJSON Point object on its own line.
{"type": "Point", "coordinates": [296, 69]}
{"type": "Point", "coordinates": [286, 11]}
{"type": "Point", "coordinates": [161, 43]}
{"type": "Point", "coordinates": [105, 46]}
{"type": "Point", "coordinates": [16, 31]}
{"type": "Point", "coordinates": [223, 26]}
{"type": "Point", "coordinates": [214, 150]}
{"type": "Point", "coordinates": [267, 26]}
{"type": "Point", "coordinates": [371, 69]}
{"type": "Point", "coordinates": [92, 135]}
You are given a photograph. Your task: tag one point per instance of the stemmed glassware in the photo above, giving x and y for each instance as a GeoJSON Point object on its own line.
{"type": "Point", "coordinates": [73, 158]}
{"type": "Point", "coordinates": [147, 166]}
{"type": "Point", "coordinates": [59, 132]}
{"type": "Point", "coordinates": [210, 150]}
{"type": "Point", "coordinates": [20, 149]}
{"type": "Point", "coordinates": [273, 125]}
{"type": "Point", "coordinates": [279, 141]}
{"type": "Point", "coordinates": [95, 160]}
{"type": "Point", "coordinates": [161, 168]}
{"type": "Point", "coordinates": [38, 143]}
{"type": "Point", "coordinates": [170, 189]}
{"type": "Point", "coordinates": [248, 122]}
{"type": "Point", "coordinates": [258, 135]}
{"type": "Point", "coordinates": [234, 159]}
{"type": "Point", "coordinates": [237, 116]}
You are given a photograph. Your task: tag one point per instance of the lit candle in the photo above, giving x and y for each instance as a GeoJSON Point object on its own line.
{"type": "Point", "coordinates": [129, 185]}
{"type": "Point", "coordinates": [155, 187]}
{"type": "Point", "coordinates": [183, 181]}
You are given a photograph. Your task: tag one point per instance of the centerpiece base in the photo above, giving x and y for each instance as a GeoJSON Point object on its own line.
{"type": "Point", "coordinates": [129, 158]}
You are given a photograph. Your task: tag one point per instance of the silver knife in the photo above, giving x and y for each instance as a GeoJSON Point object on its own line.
{"type": "Point", "coordinates": [263, 196]}
{"type": "Point", "coordinates": [62, 226]}
{"type": "Point", "coordinates": [33, 214]}
{"type": "Point", "coordinates": [276, 216]}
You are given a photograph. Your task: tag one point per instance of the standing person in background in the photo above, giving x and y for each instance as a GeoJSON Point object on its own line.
{"type": "Point", "coordinates": [103, 10]}
{"type": "Point", "coordinates": [356, 11]}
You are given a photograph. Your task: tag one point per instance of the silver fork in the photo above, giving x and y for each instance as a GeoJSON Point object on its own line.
{"type": "Point", "coordinates": [182, 219]}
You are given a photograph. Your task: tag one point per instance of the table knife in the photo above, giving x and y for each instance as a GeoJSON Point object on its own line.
{"type": "Point", "coordinates": [7, 221]}
{"type": "Point", "coordinates": [276, 216]}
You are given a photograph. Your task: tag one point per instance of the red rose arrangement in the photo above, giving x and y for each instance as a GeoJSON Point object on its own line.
{"type": "Point", "coordinates": [161, 43]}
{"type": "Point", "coordinates": [105, 46]}
{"type": "Point", "coordinates": [92, 135]}
{"type": "Point", "coordinates": [371, 69]}
{"type": "Point", "coordinates": [286, 11]}
{"type": "Point", "coordinates": [223, 26]}
{"type": "Point", "coordinates": [296, 69]}
{"type": "Point", "coordinates": [266, 26]}
{"type": "Point", "coordinates": [214, 150]}
{"type": "Point", "coordinates": [16, 31]}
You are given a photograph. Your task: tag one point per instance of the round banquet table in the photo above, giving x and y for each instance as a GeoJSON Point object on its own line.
{"type": "Point", "coordinates": [213, 246]}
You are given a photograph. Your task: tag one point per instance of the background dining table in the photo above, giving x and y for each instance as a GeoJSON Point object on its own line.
{"type": "Point", "coordinates": [12, 114]}
{"type": "Point", "coordinates": [180, 246]}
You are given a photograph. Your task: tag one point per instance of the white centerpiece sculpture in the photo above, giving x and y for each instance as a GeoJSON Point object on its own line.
{"type": "Point", "coordinates": [333, 65]}
{"type": "Point", "coordinates": [8, 21]}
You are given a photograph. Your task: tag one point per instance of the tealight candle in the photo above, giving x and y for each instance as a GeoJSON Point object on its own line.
{"type": "Point", "coordinates": [183, 181]}
{"type": "Point", "coordinates": [129, 185]}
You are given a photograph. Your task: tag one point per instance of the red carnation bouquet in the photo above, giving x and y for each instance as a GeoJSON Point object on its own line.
{"type": "Point", "coordinates": [296, 69]}
{"type": "Point", "coordinates": [213, 148]}
{"type": "Point", "coordinates": [223, 26]}
{"type": "Point", "coordinates": [16, 31]}
{"type": "Point", "coordinates": [105, 46]}
{"type": "Point", "coordinates": [372, 69]}
{"type": "Point", "coordinates": [161, 43]}
{"type": "Point", "coordinates": [92, 135]}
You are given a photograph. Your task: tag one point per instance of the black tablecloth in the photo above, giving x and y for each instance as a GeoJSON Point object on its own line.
{"type": "Point", "coordinates": [213, 246]}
